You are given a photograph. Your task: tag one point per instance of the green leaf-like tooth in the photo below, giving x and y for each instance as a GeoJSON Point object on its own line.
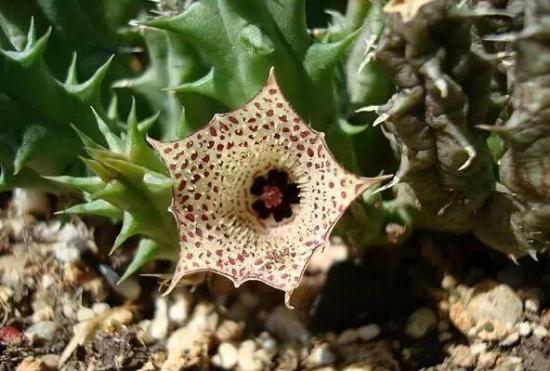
{"type": "Point", "coordinates": [130, 228]}
{"type": "Point", "coordinates": [85, 184]}
{"type": "Point", "coordinates": [96, 207]}
{"type": "Point", "coordinates": [90, 90]}
{"type": "Point", "coordinates": [31, 54]}
{"type": "Point", "coordinates": [148, 250]}
{"type": "Point", "coordinates": [114, 143]}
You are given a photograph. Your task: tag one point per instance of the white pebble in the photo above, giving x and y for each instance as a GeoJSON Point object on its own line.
{"type": "Point", "coordinates": [524, 328]}
{"type": "Point", "coordinates": [420, 322]}
{"type": "Point", "coordinates": [42, 330]}
{"type": "Point", "coordinates": [247, 361]}
{"type": "Point", "coordinates": [320, 356]}
{"type": "Point", "coordinates": [368, 332]}
{"type": "Point", "coordinates": [478, 348]}
{"type": "Point", "coordinates": [540, 332]}
{"type": "Point", "coordinates": [100, 308]}
{"type": "Point", "coordinates": [47, 281]}
{"type": "Point", "coordinates": [226, 357]}
{"type": "Point", "coordinates": [510, 340]}
{"type": "Point", "coordinates": [179, 310]}
{"type": "Point", "coordinates": [159, 325]}
{"type": "Point", "coordinates": [531, 305]}
{"type": "Point", "coordinates": [84, 314]}
{"type": "Point", "coordinates": [68, 310]}
{"type": "Point", "coordinates": [448, 282]}
{"type": "Point", "coordinates": [67, 253]}
{"type": "Point", "coordinates": [267, 342]}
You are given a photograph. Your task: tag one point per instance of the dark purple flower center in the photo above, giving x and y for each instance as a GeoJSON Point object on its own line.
{"type": "Point", "coordinates": [275, 195]}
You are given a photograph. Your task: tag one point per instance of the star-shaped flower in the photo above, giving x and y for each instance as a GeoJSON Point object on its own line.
{"type": "Point", "coordinates": [257, 191]}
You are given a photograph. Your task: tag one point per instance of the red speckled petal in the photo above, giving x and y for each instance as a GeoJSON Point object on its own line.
{"type": "Point", "coordinates": [214, 170]}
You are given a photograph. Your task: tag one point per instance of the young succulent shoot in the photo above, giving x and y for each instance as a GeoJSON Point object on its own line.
{"type": "Point", "coordinates": [256, 193]}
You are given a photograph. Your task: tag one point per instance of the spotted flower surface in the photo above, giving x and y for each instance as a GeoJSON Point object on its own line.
{"type": "Point", "coordinates": [256, 192]}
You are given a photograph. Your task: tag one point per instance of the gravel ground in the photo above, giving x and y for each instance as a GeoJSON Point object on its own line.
{"type": "Point", "coordinates": [436, 303]}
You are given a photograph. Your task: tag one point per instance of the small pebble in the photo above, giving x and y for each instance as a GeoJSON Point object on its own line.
{"type": "Point", "coordinates": [478, 348]}
{"type": "Point", "coordinates": [510, 340]}
{"type": "Point", "coordinates": [524, 328]}
{"type": "Point", "coordinates": [348, 336]}
{"type": "Point", "coordinates": [420, 322]}
{"type": "Point", "coordinates": [160, 323]}
{"type": "Point", "coordinates": [67, 253]}
{"type": "Point", "coordinates": [100, 308]}
{"type": "Point", "coordinates": [229, 330]}
{"type": "Point", "coordinates": [368, 332]}
{"type": "Point", "coordinates": [448, 282]}
{"type": "Point", "coordinates": [129, 288]}
{"type": "Point", "coordinates": [43, 314]}
{"type": "Point", "coordinates": [247, 361]}
{"type": "Point", "coordinates": [462, 357]}
{"type": "Point", "coordinates": [117, 318]}
{"type": "Point", "coordinates": [47, 281]}
{"type": "Point", "coordinates": [180, 309]}
{"type": "Point", "coordinates": [284, 323]}
{"type": "Point", "coordinates": [11, 335]}
{"type": "Point", "coordinates": [51, 361]}
{"type": "Point", "coordinates": [226, 357]}
{"type": "Point", "coordinates": [320, 355]}
{"type": "Point", "coordinates": [540, 332]}
{"type": "Point", "coordinates": [31, 364]}
{"type": "Point", "coordinates": [406, 353]}
{"type": "Point", "coordinates": [486, 360]}
{"type": "Point", "coordinates": [84, 314]}
{"type": "Point", "coordinates": [267, 342]}
{"type": "Point", "coordinates": [531, 305]}
{"type": "Point", "coordinates": [42, 330]}
{"type": "Point", "coordinates": [68, 310]}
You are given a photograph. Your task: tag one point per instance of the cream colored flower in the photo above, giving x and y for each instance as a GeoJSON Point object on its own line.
{"type": "Point", "coordinates": [257, 191]}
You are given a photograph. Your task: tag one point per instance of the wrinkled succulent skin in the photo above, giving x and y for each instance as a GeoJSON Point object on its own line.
{"type": "Point", "coordinates": [525, 165]}
{"type": "Point", "coordinates": [431, 127]}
